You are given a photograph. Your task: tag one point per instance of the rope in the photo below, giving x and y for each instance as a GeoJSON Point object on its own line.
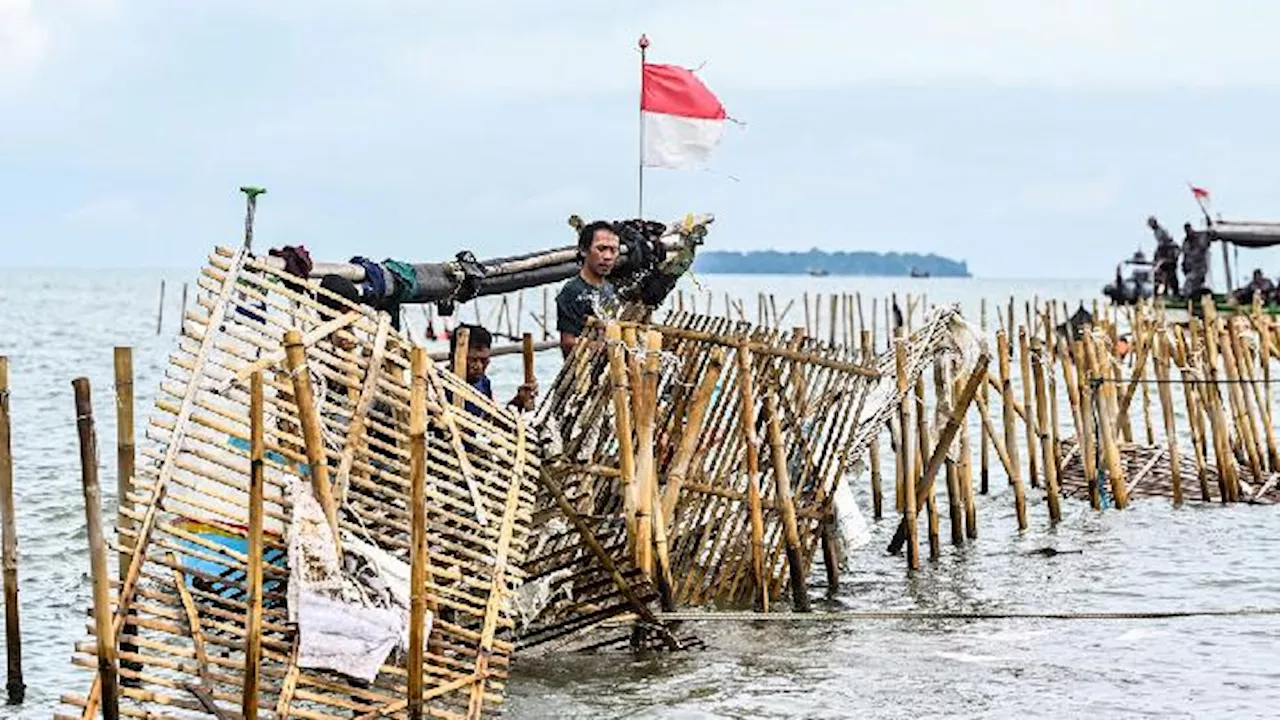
{"type": "Point", "coordinates": [958, 615]}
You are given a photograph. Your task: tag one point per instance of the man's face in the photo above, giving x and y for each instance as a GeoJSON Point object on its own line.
{"type": "Point", "coordinates": [603, 253]}
{"type": "Point", "coordinates": [477, 363]}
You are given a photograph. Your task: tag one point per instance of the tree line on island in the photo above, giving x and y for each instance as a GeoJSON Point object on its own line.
{"type": "Point", "coordinates": [818, 262]}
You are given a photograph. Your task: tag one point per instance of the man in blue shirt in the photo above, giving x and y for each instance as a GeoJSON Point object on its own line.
{"type": "Point", "coordinates": [479, 345]}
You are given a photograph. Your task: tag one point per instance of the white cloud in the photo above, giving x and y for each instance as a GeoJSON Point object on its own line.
{"type": "Point", "coordinates": [767, 44]}
{"type": "Point", "coordinates": [24, 40]}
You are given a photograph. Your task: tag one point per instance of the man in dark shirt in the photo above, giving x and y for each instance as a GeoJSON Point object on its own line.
{"type": "Point", "coordinates": [479, 345]}
{"type": "Point", "coordinates": [589, 293]}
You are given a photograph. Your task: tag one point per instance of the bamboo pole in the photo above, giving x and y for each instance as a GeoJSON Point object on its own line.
{"type": "Point", "coordinates": [873, 450]}
{"type": "Point", "coordinates": [642, 398]}
{"type": "Point", "coordinates": [786, 507]}
{"type": "Point", "coordinates": [160, 309]}
{"type": "Point", "coordinates": [1010, 427]}
{"type": "Point", "coordinates": [1166, 412]}
{"type": "Point", "coordinates": [1028, 397]}
{"type": "Point", "coordinates": [15, 684]}
{"type": "Point", "coordinates": [309, 418]}
{"type": "Point", "coordinates": [984, 441]}
{"type": "Point", "coordinates": [1198, 444]}
{"type": "Point", "coordinates": [1086, 397]}
{"type": "Point", "coordinates": [1104, 402]}
{"type": "Point", "coordinates": [689, 438]}
{"type": "Point", "coordinates": [125, 459]}
{"type": "Point", "coordinates": [909, 508]}
{"type": "Point", "coordinates": [917, 470]}
{"type": "Point", "coordinates": [253, 621]}
{"type": "Point", "coordinates": [622, 426]}
{"type": "Point", "coordinates": [1042, 418]}
{"type": "Point", "coordinates": [107, 671]}
{"type": "Point", "coordinates": [955, 500]}
{"type": "Point", "coordinates": [417, 527]}
{"type": "Point", "coordinates": [747, 413]}
{"type": "Point", "coordinates": [939, 454]}
{"type": "Point", "coordinates": [966, 468]}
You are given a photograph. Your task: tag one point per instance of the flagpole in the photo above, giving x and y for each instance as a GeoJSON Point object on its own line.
{"type": "Point", "coordinates": [644, 46]}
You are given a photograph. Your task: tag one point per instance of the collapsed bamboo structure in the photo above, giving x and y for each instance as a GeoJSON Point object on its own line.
{"type": "Point", "coordinates": [336, 398]}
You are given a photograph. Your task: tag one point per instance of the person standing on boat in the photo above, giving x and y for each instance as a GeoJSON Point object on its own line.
{"type": "Point", "coordinates": [1166, 259]}
{"type": "Point", "coordinates": [589, 293]}
{"type": "Point", "coordinates": [1195, 260]}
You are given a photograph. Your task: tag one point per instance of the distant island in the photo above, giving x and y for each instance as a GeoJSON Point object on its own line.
{"type": "Point", "coordinates": [773, 262]}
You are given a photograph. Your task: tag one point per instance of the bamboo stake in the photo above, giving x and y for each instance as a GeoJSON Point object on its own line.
{"type": "Point", "coordinates": [1103, 395]}
{"type": "Point", "coordinates": [1028, 397]}
{"type": "Point", "coordinates": [955, 505]}
{"type": "Point", "coordinates": [917, 470]}
{"type": "Point", "coordinates": [107, 670]}
{"type": "Point", "coordinates": [747, 412]}
{"type": "Point", "coordinates": [1042, 417]}
{"type": "Point", "coordinates": [160, 309]}
{"type": "Point", "coordinates": [966, 470]}
{"type": "Point", "coordinates": [15, 685]}
{"type": "Point", "coordinates": [909, 507]}
{"type": "Point", "coordinates": [417, 527]}
{"type": "Point", "coordinates": [1010, 426]}
{"type": "Point", "coordinates": [123, 361]}
{"type": "Point", "coordinates": [296, 361]}
{"type": "Point", "coordinates": [622, 424]}
{"type": "Point", "coordinates": [1198, 444]}
{"type": "Point", "coordinates": [787, 508]}
{"type": "Point", "coordinates": [253, 621]}
{"type": "Point", "coordinates": [1166, 412]}
{"type": "Point", "coordinates": [984, 442]}
{"type": "Point", "coordinates": [642, 398]}
{"type": "Point", "coordinates": [689, 438]}
{"type": "Point", "coordinates": [1086, 396]}
{"type": "Point", "coordinates": [873, 451]}
{"type": "Point", "coordinates": [939, 455]}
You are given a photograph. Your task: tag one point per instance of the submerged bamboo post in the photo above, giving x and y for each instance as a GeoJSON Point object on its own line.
{"type": "Point", "coordinates": [108, 673]}
{"type": "Point", "coordinates": [751, 437]}
{"type": "Point", "coordinates": [1042, 418]}
{"type": "Point", "coordinates": [939, 454]}
{"type": "Point", "coordinates": [1010, 427]}
{"type": "Point", "coordinates": [309, 418]}
{"type": "Point", "coordinates": [125, 459]}
{"type": "Point", "coordinates": [984, 441]}
{"type": "Point", "coordinates": [15, 685]}
{"type": "Point", "coordinates": [417, 526]}
{"type": "Point", "coordinates": [1028, 419]}
{"type": "Point", "coordinates": [786, 507]}
{"type": "Point", "coordinates": [642, 398]}
{"type": "Point", "coordinates": [873, 451]}
{"type": "Point", "coordinates": [160, 309]}
{"type": "Point", "coordinates": [1166, 412]}
{"type": "Point", "coordinates": [955, 503]}
{"type": "Point", "coordinates": [253, 621]}
{"type": "Point", "coordinates": [917, 470]}
{"type": "Point", "coordinates": [1104, 397]}
{"type": "Point", "coordinates": [966, 466]}
{"type": "Point", "coordinates": [909, 508]}
{"type": "Point", "coordinates": [622, 426]}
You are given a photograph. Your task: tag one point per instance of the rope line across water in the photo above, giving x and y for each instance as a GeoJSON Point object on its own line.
{"type": "Point", "coordinates": [928, 615]}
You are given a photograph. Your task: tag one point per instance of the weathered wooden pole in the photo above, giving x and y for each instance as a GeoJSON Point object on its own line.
{"type": "Point", "coordinates": [1010, 427]}
{"type": "Point", "coordinates": [873, 451]}
{"type": "Point", "coordinates": [1166, 412]}
{"type": "Point", "coordinates": [1028, 418]}
{"type": "Point", "coordinates": [108, 673]}
{"type": "Point", "coordinates": [622, 426]}
{"type": "Point", "coordinates": [1046, 440]}
{"type": "Point", "coordinates": [253, 621]}
{"type": "Point", "coordinates": [17, 689]}
{"type": "Point", "coordinates": [984, 440]}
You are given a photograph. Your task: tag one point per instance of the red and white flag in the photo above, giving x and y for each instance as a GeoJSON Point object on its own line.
{"type": "Point", "coordinates": [1202, 198]}
{"type": "Point", "coordinates": [682, 119]}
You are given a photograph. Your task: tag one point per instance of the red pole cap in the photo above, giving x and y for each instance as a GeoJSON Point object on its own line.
{"type": "Point", "coordinates": [644, 41]}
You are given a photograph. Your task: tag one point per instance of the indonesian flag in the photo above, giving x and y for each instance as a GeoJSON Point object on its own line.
{"type": "Point", "coordinates": [681, 119]}
{"type": "Point", "coordinates": [1202, 198]}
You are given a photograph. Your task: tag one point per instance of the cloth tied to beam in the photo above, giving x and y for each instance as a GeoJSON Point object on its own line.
{"type": "Point", "coordinates": [350, 615]}
{"type": "Point", "coordinates": [406, 279]}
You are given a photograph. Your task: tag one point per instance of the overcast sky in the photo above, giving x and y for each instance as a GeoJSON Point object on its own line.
{"type": "Point", "coordinates": [1028, 137]}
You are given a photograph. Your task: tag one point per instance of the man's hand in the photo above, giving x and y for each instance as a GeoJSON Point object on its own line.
{"type": "Point", "coordinates": [525, 397]}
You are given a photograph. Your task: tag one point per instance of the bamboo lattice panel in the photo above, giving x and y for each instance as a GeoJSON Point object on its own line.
{"type": "Point", "coordinates": [191, 508]}
{"type": "Point", "coordinates": [821, 398]}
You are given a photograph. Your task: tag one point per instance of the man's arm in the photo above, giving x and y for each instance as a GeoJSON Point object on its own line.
{"type": "Point", "coordinates": [567, 341]}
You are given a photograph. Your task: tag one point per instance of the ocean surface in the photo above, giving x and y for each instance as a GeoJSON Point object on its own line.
{"type": "Point", "coordinates": [56, 325]}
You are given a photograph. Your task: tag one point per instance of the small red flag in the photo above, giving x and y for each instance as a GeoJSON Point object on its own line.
{"type": "Point", "coordinates": [1200, 193]}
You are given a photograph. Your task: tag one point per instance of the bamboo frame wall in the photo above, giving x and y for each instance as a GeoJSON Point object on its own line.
{"type": "Point", "coordinates": [191, 504]}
